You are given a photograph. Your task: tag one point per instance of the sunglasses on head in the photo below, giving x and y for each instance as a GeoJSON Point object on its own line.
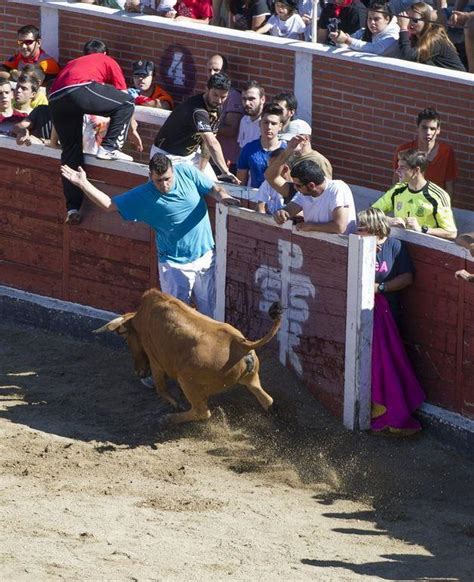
{"type": "Point", "coordinates": [28, 41]}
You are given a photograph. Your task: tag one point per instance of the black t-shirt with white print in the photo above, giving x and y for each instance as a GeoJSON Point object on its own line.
{"type": "Point", "coordinates": [180, 135]}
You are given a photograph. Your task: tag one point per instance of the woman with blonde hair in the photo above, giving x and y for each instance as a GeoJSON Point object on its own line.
{"type": "Point", "coordinates": [396, 393]}
{"type": "Point", "coordinates": [424, 40]}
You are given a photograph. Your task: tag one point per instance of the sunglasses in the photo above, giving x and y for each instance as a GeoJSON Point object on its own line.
{"type": "Point", "coordinates": [28, 42]}
{"type": "Point", "coordinates": [414, 20]}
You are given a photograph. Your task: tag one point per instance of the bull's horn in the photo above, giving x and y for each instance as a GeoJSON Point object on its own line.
{"type": "Point", "coordinates": [112, 325]}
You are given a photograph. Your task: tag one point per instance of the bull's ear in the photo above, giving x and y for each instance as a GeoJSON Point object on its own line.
{"type": "Point", "coordinates": [115, 324]}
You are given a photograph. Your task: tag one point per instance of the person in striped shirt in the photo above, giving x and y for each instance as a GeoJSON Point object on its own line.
{"type": "Point", "coordinates": [416, 203]}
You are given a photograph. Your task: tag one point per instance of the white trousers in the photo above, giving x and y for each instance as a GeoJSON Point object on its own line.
{"type": "Point", "coordinates": [193, 159]}
{"type": "Point", "coordinates": [191, 282]}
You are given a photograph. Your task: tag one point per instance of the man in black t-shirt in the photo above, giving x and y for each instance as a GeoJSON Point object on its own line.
{"type": "Point", "coordinates": [36, 128]}
{"type": "Point", "coordinates": [189, 133]}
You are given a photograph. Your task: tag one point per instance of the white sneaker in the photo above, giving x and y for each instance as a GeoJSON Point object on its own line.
{"type": "Point", "coordinates": [104, 154]}
{"type": "Point", "coordinates": [73, 217]}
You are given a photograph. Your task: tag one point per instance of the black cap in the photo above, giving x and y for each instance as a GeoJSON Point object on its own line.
{"type": "Point", "coordinates": [143, 68]}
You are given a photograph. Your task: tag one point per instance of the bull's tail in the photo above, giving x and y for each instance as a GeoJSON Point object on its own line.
{"type": "Point", "coordinates": [274, 312]}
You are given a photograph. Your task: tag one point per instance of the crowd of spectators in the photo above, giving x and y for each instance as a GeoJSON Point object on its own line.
{"type": "Point", "coordinates": [426, 32]}
{"type": "Point", "coordinates": [245, 137]}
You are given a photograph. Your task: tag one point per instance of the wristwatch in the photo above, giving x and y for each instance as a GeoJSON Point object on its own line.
{"type": "Point", "coordinates": [381, 287]}
{"type": "Point", "coordinates": [425, 229]}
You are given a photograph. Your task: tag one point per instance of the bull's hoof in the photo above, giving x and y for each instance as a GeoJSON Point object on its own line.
{"type": "Point", "coordinates": [275, 311]}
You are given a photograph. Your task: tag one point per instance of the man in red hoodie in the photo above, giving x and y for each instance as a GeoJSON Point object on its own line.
{"type": "Point", "coordinates": [94, 84]}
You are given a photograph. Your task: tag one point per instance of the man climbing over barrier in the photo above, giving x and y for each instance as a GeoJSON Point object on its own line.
{"type": "Point", "coordinates": [94, 84]}
{"type": "Point", "coordinates": [172, 203]}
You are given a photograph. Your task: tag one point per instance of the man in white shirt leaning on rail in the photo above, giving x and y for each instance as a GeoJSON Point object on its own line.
{"type": "Point", "coordinates": [327, 205]}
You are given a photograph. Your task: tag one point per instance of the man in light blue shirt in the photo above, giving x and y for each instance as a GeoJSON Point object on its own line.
{"type": "Point", "coordinates": [173, 204]}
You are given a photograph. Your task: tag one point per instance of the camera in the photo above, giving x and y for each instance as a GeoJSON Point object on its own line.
{"type": "Point", "coordinates": [333, 24]}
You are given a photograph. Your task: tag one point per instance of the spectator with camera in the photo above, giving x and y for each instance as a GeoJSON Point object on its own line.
{"type": "Point", "coordinates": [380, 35]}
{"type": "Point", "coordinates": [424, 40]}
{"type": "Point", "coordinates": [29, 53]}
{"type": "Point", "coordinates": [343, 15]}
{"type": "Point", "coordinates": [418, 204]}
{"type": "Point", "coordinates": [442, 167]}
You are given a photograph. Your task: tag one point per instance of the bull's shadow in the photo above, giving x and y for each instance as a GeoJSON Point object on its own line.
{"type": "Point", "coordinates": [87, 391]}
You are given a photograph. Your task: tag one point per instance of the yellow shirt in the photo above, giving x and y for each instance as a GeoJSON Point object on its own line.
{"type": "Point", "coordinates": [431, 205]}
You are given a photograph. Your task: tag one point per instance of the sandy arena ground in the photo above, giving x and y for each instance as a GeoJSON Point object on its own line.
{"type": "Point", "coordinates": [92, 489]}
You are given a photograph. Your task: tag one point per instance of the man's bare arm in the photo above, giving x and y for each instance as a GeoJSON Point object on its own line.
{"type": "Point", "coordinates": [337, 225]}
{"type": "Point", "coordinates": [79, 178]}
{"type": "Point", "coordinates": [289, 211]}
{"type": "Point", "coordinates": [220, 194]}
{"type": "Point", "coordinates": [274, 171]}
{"type": "Point", "coordinates": [212, 144]}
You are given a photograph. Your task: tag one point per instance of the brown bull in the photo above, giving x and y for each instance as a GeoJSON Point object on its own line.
{"type": "Point", "coordinates": [203, 355]}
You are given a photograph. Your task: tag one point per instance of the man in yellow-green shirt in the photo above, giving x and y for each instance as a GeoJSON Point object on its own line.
{"type": "Point", "coordinates": [416, 203]}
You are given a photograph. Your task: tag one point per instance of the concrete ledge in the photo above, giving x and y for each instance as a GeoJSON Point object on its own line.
{"type": "Point", "coordinates": [58, 316]}
{"type": "Point", "coordinates": [450, 428]}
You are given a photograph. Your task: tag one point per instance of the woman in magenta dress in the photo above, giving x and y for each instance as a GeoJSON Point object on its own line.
{"type": "Point", "coordinates": [396, 392]}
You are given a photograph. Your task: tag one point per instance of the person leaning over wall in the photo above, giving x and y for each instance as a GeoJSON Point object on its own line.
{"type": "Point", "coordinates": [327, 205]}
{"type": "Point", "coordinates": [466, 240]}
{"type": "Point", "coordinates": [418, 204]}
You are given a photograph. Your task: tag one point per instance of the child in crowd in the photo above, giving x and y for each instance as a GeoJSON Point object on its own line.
{"type": "Point", "coordinates": [305, 10]}
{"type": "Point", "coordinates": [144, 91]}
{"type": "Point", "coordinates": [423, 40]}
{"type": "Point", "coordinates": [286, 22]}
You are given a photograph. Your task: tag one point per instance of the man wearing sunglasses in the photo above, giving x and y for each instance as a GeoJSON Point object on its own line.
{"type": "Point", "coordinates": [29, 53]}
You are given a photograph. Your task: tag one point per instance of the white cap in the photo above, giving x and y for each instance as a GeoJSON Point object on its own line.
{"type": "Point", "coordinates": [296, 127]}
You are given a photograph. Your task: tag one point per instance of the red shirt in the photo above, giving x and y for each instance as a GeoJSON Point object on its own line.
{"type": "Point", "coordinates": [42, 59]}
{"type": "Point", "coordinates": [158, 93]}
{"type": "Point", "coordinates": [95, 67]}
{"type": "Point", "coordinates": [200, 9]}
{"type": "Point", "coordinates": [441, 169]}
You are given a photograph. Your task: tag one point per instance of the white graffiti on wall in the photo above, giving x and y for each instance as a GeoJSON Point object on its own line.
{"type": "Point", "coordinates": [292, 290]}
{"type": "Point", "coordinates": [176, 69]}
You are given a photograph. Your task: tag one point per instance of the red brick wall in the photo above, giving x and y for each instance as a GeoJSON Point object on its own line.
{"type": "Point", "coordinates": [104, 263]}
{"type": "Point", "coordinates": [438, 329]}
{"type": "Point", "coordinates": [361, 113]}
{"type": "Point", "coordinates": [107, 263]}
{"type": "Point", "coordinates": [320, 333]}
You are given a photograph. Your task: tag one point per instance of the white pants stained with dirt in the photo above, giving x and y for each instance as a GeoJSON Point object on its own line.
{"type": "Point", "coordinates": [193, 281]}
